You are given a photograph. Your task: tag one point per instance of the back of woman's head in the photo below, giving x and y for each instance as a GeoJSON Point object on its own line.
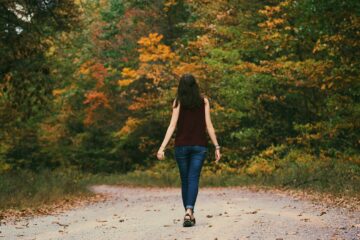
{"type": "Point", "coordinates": [188, 92]}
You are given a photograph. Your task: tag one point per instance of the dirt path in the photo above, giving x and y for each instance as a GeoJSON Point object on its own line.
{"type": "Point", "coordinates": [221, 213]}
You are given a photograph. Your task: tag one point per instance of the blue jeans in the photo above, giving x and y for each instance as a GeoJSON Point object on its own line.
{"type": "Point", "coordinates": [190, 160]}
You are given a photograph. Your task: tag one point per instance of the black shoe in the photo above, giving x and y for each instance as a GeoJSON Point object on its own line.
{"type": "Point", "coordinates": [188, 222]}
{"type": "Point", "coordinates": [193, 220]}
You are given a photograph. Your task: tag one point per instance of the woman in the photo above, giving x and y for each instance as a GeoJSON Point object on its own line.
{"type": "Point", "coordinates": [191, 117]}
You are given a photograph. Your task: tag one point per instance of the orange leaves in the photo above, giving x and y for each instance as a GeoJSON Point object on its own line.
{"type": "Point", "coordinates": [275, 27]}
{"type": "Point", "coordinates": [95, 100]}
{"type": "Point", "coordinates": [269, 10]}
{"type": "Point", "coordinates": [96, 71]}
{"type": "Point", "coordinates": [99, 73]}
{"type": "Point", "coordinates": [141, 103]}
{"type": "Point", "coordinates": [272, 23]}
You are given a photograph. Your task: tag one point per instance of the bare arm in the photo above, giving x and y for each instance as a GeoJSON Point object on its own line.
{"type": "Point", "coordinates": [172, 126]}
{"type": "Point", "coordinates": [209, 125]}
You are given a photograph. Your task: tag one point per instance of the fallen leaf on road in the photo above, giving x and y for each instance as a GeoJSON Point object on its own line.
{"type": "Point", "coordinates": [101, 220]}
{"type": "Point", "coordinates": [253, 212]}
{"type": "Point", "coordinates": [61, 224]}
{"type": "Point", "coordinates": [322, 213]}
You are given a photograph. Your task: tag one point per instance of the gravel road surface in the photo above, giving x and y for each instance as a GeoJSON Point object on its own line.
{"type": "Point", "coordinates": [221, 213]}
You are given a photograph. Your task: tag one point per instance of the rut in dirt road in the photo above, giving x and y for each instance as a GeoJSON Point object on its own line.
{"type": "Point", "coordinates": [221, 213]}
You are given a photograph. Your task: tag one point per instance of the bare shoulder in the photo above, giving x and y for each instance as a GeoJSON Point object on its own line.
{"type": "Point", "coordinates": [174, 103]}
{"type": "Point", "coordinates": [206, 100]}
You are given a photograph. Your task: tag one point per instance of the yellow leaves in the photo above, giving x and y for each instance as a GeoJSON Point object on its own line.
{"type": "Point", "coordinates": [50, 43]}
{"type": "Point", "coordinates": [129, 126]}
{"type": "Point", "coordinates": [129, 75]}
{"type": "Point", "coordinates": [152, 50]}
{"type": "Point", "coordinates": [156, 60]}
{"type": "Point", "coordinates": [125, 82]}
{"type": "Point", "coordinates": [50, 51]}
{"type": "Point", "coordinates": [78, 2]}
{"type": "Point", "coordinates": [152, 39]}
{"type": "Point", "coordinates": [260, 166]}
{"type": "Point", "coordinates": [168, 4]}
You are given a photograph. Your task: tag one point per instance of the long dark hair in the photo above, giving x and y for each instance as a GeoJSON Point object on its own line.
{"type": "Point", "coordinates": [188, 92]}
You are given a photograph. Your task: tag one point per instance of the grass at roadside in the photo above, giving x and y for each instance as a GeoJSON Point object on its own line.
{"type": "Point", "coordinates": [25, 189]}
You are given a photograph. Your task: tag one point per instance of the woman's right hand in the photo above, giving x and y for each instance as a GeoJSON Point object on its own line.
{"type": "Point", "coordinates": [217, 155]}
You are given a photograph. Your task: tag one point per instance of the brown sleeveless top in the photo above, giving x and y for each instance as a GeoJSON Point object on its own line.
{"type": "Point", "coordinates": [191, 127]}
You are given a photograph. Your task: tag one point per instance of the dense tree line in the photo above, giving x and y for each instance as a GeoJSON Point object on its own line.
{"type": "Point", "coordinates": [89, 84]}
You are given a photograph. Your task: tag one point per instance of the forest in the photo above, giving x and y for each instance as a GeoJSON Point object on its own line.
{"type": "Point", "coordinates": [86, 91]}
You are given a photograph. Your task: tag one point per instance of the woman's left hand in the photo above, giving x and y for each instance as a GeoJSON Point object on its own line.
{"type": "Point", "coordinates": [160, 154]}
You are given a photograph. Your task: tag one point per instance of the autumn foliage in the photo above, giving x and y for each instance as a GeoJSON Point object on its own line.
{"type": "Point", "coordinates": [282, 78]}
